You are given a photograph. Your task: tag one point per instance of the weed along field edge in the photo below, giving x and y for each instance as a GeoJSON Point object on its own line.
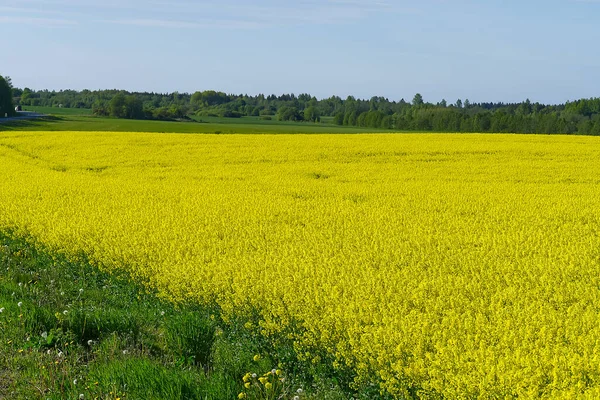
{"type": "Point", "coordinates": [299, 266]}
{"type": "Point", "coordinates": [71, 331]}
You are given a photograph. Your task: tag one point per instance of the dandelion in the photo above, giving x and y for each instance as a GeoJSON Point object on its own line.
{"type": "Point", "coordinates": [60, 354]}
{"type": "Point", "coordinates": [125, 351]}
{"type": "Point", "coordinates": [80, 290]}
{"type": "Point", "coordinates": [90, 342]}
{"type": "Point", "coordinates": [65, 312]}
{"type": "Point", "coordinates": [45, 335]}
{"type": "Point", "coordinates": [254, 376]}
{"type": "Point", "coordinates": [20, 284]}
{"type": "Point", "coordinates": [75, 382]}
{"type": "Point", "coordinates": [256, 357]}
{"type": "Point", "coordinates": [247, 385]}
{"type": "Point", "coordinates": [62, 293]}
{"type": "Point", "coordinates": [162, 313]}
{"type": "Point", "coordinates": [19, 304]}
{"type": "Point", "coordinates": [242, 395]}
{"type": "Point", "coordinates": [81, 396]}
{"type": "Point", "coordinates": [1, 310]}
{"type": "Point", "coordinates": [273, 371]}
{"type": "Point", "coordinates": [296, 398]}
{"type": "Point", "coordinates": [268, 385]}
{"type": "Point", "coordinates": [299, 391]}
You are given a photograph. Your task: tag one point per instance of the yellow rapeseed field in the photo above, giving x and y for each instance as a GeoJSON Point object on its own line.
{"type": "Point", "coordinates": [455, 266]}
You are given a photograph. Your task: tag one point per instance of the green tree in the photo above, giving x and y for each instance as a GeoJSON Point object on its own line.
{"type": "Point", "coordinates": [133, 108]}
{"type": "Point", "coordinates": [312, 114]}
{"type": "Point", "coordinates": [338, 119]}
{"type": "Point", "coordinates": [6, 98]}
{"type": "Point", "coordinates": [100, 109]}
{"type": "Point", "coordinates": [417, 100]}
{"type": "Point", "coordinates": [117, 106]}
{"type": "Point", "coordinates": [287, 113]}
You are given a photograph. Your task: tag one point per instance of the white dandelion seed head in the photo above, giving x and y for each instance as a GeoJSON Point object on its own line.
{"type": "Point", "coordinates": [74, 381]}
{"type": "Point", "coordinates": [81, 396]}
{"type": "Point", "coordinates": [81, 290]}
{"type": "Point", "coordinates": [2, 310]}
{"type": "Point", "coordinates": [45, 335]}
{"type": "Point", "coordinates": [65, 312]}
{"type": "Point", "coordinates": [90, 342]}
{"type": "Point", "coordinates": [20, 284]}
{"type": "Point", "coordinates": [20, 303]}
{"type": "Point", "coordinates": [254, 375]}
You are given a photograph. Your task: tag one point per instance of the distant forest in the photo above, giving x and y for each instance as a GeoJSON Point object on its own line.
{"type": "Point", "coordinates": [577, 117]}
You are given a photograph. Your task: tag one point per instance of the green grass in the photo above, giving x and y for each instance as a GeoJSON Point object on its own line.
{"type": "Point", "coordinates": [213, 125]}
{"type": "Point", "coordinates": [69, 329]}
{"type": "Point", "coordinates": [58, 111]}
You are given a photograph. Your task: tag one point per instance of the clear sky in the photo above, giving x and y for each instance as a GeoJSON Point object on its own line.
{"type": "Point", "coordinates": [496, 50]}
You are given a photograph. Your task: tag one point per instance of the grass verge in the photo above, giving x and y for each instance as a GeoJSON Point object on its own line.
{"type": "Point", "coordinates": [70, 331]}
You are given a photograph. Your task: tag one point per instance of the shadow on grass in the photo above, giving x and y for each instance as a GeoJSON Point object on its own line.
{"type": "Point", "coordinates": [21, 124]}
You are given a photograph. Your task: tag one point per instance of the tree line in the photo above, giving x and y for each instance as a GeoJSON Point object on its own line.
{"type": "Point", "coordinates": [576, 117]}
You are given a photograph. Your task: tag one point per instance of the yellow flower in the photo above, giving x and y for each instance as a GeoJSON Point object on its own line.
{"type": "Point", "coordinates": [457, 218]}
{"type": "Point", "coordinates": [263, 380]}
{"type": "Point", "coordinates": [242, 395]}
{"type": "Point", "coordinates": [246, 377]}
{"type": "Point", "coordinates": [256, 357]}
{"type": "Point", "coordinates": [247, 385]}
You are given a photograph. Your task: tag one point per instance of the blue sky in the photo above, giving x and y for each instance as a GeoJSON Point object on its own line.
{"type": "Point", "coordinates": [481, 50]}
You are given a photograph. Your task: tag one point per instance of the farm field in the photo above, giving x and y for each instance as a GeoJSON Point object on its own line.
{"type": "Point", "coordinates": [64, 119]}
{"type": "Point", "coordinates": [58, 110]}
{"type": "Point", "coordinates": [429, 265]}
